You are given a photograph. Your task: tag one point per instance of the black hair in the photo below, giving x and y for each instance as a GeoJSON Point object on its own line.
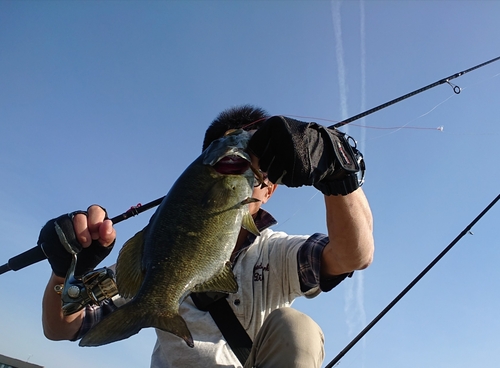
{"type": "Point", "coordinates": [234, 118]}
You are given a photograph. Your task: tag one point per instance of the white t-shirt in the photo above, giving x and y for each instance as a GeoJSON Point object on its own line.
{"type": "Point", "coordinates": [267, 276]}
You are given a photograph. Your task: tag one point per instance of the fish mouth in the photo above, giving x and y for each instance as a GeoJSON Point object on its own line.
{"type": "Point", "coordinates": [227, 155]}
{"type": "Point", "coordinates": [232, 165]}
{"type": "Point", "coordinates": [237, 164]}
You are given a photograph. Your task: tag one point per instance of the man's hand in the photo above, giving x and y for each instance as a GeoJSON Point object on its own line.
{"type": "Point", "coordinates": [295, 153]}
{"type": "Point", "coordinates": [89, 233]}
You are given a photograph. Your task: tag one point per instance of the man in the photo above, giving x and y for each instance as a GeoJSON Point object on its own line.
{"type": "Point", "coordinates": [271, 269]}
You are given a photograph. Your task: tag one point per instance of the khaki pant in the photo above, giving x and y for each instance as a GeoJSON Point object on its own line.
{"type": "Point", "coordinates": [287, 339]}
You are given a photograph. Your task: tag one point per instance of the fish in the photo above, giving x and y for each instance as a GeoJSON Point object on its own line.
{"type": "Point", "coordinates": [186, 246]}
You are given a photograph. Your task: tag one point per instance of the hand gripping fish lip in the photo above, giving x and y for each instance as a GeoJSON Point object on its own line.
{"type": "Point", "coordinates": [232, 144]}
{"type": "Point", "coordinates": [231, 158]}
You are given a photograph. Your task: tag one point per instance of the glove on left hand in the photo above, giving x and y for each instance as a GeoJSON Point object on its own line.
{"type": "Point", "coordinates": [295, 153]}
{"type": "Point", "coordinates": [59, 256]}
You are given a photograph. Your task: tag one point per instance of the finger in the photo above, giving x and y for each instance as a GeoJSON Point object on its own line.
{"type": "Point", "coordinates": [96, 216]}
{"type": "Point", "coordinates": [107, 233]}
{"type": "Point", "coordinates": [82, 233]}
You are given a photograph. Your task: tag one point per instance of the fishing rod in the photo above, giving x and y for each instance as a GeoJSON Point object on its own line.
{"type": "Point", "coordinates": [36, 254]}
{"type": "Point", "coordinates": [465, 231]}
{"type": "Point", "coordinates": [456, 89]}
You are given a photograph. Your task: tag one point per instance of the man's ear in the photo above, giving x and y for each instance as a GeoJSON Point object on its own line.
{"type": "Point", "coordinates": [270, 190]}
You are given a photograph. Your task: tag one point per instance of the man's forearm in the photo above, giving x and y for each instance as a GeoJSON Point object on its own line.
{"type": "Point", "coordinates": [57, 326]}
{"type": "Point", "coordinates": [350, 229]}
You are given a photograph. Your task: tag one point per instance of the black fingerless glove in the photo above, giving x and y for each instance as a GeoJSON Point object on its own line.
{"type": "Point", "coordinates": [295, 153]}
{"type": "Point", "coordinates": [58, 240]}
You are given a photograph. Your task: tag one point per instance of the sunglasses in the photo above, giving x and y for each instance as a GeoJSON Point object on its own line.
{"type": "Point", "coordinates": [260, 181]}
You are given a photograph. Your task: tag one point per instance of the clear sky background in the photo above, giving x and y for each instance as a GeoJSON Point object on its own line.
{"type": "Point", "coordinates": [107, 102]}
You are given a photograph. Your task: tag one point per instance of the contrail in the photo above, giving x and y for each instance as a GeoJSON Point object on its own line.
{"type": "Point", "coordinates": [362, 145]}
{"type": "Point", "coordinates": [354, 303]}
{"type": "Point", "coordinates": [339, 51]}
{"type": "Point", "coordinates": [360, 284]}
{"type": "Point", "coordinates": [363, 72]}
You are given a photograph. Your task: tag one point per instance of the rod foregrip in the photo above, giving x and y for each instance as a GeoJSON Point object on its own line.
{"type": "Point", "coordinates": [25, 259]}
{"type": "Point", "coordinates": [4, 268]}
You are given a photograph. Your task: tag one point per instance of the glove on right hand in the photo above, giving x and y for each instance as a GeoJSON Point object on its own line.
{"type": "Point", "coordinates": [59, 244]}
{"type": "Point", "coordinates": [295, 153]}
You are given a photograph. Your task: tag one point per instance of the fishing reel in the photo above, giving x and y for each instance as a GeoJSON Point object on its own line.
{"type": "Point", "coordinates": [351, 167]}
{"type": "Point", "coordinates": [358, 156]}
{"type": "Point", "coordinates": [92, 288]}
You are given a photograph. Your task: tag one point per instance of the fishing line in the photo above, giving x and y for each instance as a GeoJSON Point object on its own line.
{"type": "Point", "coordinates": [405, 126]}
{"type": "Point", "coordinates": [465, 231]}
{"type": "Point", "coordinates": [244, 127]}
{"type": "Point", "coordinates": [312, 118]}
{"type": "Point", "coordinates": [481, 82]}
{"type": "Point", "coordinates": [440, 128]}
{"type": "Point", "coordinates": [299, 208]}
{"type": "Point", "coordinates": [455, 88]}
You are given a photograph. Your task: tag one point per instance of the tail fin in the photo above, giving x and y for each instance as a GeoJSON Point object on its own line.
{"type": "Point", "coordinates": [129, 320]}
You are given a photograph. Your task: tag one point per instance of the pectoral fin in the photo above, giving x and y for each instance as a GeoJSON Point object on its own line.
{"type": "Point", "coordinates": [249, 224]}
{"type": "Point", "coordinates": [249, 200]}
{"type": "Point", "coordinates": [223, 282]}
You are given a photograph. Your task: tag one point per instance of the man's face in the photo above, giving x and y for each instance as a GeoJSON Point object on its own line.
{"type": "Point", "coordinates": [260, 192]}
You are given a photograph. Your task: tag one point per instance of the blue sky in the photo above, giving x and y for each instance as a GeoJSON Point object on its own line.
{"type": "Point", "coordinates": [107, 102]}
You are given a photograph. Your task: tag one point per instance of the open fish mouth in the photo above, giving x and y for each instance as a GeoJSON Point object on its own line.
{"type": "Point", "coordinates": [232, 165]}
{"type": "Point", "coordinates": [228, 156]}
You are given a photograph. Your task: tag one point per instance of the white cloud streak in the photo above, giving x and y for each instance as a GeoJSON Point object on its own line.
{"type": "Point", "coordinates": [362, 34]}
{"type": "Point", "coordinates": [354, 292]}
{"type": "Point", "coordinates": [339, 51]}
